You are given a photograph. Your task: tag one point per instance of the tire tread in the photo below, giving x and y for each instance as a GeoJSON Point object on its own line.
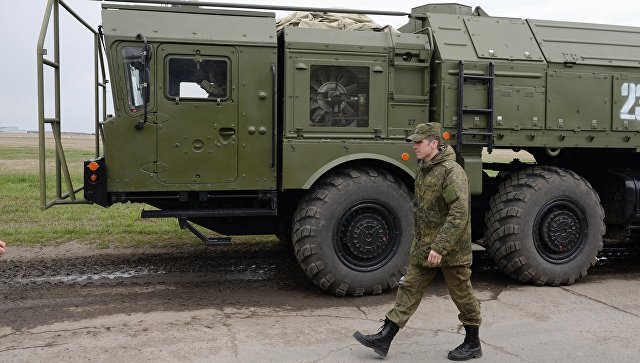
{"type": "Point", "coordinates": [309, 217]}
{"type": "Point", "coordinates": [507, 208]}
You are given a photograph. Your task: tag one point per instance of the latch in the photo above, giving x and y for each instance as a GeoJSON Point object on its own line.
{"type": "Point", "coordinates": [570, 59]}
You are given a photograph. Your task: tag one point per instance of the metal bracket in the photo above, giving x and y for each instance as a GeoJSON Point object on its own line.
{"type": "Point", "coordinates": [208, 241]}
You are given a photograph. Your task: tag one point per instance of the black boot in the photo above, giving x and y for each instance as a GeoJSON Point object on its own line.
{"type": "Point", "coordinates": [380, 341]}
{"type": "Point", "coordinates": [470, 348]}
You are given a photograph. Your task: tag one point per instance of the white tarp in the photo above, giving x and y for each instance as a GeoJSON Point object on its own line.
{"type": "Point", "coordinates": [303, 19]}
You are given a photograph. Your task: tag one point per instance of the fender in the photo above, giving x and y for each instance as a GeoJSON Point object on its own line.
{"type": "Point", "coordinates": [362, 156]}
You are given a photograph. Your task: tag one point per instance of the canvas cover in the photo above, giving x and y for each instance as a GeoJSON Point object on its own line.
{"type": "Point", "coordinates": [321, 20]}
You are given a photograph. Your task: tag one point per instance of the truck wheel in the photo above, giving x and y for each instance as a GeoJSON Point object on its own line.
{"type": "Point", "coordinates": [353, 231]}
{"type": "Point", "coordinates": [545, 226]}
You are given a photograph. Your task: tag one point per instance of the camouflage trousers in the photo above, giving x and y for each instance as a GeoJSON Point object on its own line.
{"type": "Point", "coordinates": [415, 284]}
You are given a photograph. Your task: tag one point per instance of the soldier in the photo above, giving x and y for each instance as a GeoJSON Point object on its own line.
{"type": "Point", "coordinates": [216, 84]}
{"type": "Point", "coordinates": [442, 243]}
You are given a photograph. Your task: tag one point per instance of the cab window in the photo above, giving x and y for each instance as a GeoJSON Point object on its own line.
{"type": "Point", "coordinates": [190, 78]}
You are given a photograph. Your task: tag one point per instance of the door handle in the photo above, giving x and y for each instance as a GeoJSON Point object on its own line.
{"type": "Point", "coordinates": [227, 132]}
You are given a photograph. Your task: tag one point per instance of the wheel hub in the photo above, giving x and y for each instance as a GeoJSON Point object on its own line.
{"type": "Point", "coordinates": [560, 231]}
{"type": "Point", "coordinates": [366, 236]}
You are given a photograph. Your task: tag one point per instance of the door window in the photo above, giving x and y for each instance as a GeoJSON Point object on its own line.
{"type": "Point", "coordinates": [191, 78]}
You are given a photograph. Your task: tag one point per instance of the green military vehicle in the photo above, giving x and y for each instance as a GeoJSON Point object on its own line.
{"type": "Point", "coordinates": [225, 122]}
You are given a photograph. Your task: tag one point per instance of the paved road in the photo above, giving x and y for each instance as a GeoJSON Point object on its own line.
{"type": "Point", "coordinates": [252, 304]}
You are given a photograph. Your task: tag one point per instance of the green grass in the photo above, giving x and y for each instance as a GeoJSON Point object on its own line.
{"type": "Point", "coordinates": [23, 223]}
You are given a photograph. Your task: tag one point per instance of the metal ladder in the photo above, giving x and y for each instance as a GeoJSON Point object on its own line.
{"type": "Point", "coordinates": [462, 78]}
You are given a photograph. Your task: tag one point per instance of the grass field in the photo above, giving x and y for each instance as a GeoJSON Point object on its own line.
{"type": "Point", "coordinates": [22, 222]}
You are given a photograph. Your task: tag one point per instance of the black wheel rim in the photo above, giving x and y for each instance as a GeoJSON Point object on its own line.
{"type": "Point", "coordinates": [560, 231]}
{"type": "Point", "coordinates": [366, 236]}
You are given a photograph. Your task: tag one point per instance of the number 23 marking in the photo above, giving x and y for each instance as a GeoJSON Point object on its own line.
{"type": "Point", "coordinates": [632, 92]}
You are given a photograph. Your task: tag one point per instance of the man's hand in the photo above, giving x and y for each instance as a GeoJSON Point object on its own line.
{"type": "Point", "coordinates": [3, 248]}
{"type": "Point", "coordinates": [434, 258]}
{"type": "Point", "coordinates": [205, 85]}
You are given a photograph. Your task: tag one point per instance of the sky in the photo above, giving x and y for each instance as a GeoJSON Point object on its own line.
{"type": "Point", "coordinates": [20, 23]}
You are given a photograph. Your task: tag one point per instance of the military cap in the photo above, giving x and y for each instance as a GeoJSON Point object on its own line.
{"type": "Point", "coordinates": [422, 131]}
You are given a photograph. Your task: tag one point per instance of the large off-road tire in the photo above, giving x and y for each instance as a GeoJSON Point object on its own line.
{"type": "Point", "coordinates": [353, 230]}
{"type": "Point", "coordinates": [545, 226]}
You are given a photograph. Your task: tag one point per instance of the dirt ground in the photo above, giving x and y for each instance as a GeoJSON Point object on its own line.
{"type": "Point", "coordinates": [251, 303]}
{"type": "Point", "coordinates": [70, 140]}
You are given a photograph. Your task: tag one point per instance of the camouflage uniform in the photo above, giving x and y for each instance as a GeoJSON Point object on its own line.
{"type": "Point", "coordinates": [443, 224]}
{"type": "Point", "coordinates": [212, 89]}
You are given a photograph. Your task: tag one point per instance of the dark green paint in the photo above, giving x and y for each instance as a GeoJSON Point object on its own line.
{"type": "Point", "coordinates": [542, 71]}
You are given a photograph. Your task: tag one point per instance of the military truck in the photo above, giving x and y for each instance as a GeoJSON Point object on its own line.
{"type": "Point", "coordinates": [224, 122]}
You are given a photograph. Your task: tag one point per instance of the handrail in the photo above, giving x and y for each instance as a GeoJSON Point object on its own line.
{"type": "Point", "coordinates": [75, 15]}
{"type": "Point", "coordinates": [260, 7]}
{"type": "Point", "coordinates": [100, 89]}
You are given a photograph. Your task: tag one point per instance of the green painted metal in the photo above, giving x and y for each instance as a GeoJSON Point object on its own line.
{"type": "Point", "coordinates": [588, 44]}
{"type": "Point", "coordinates": [398, 163]}
{"type": "Point", "coordinates": [398, 99]}
{"type": "Point", "coordinates": [242, 123]}
{"type": "Point", "coordinates": [541, 71]}
{"type": "Point", "coordinates": [331, 156]}
{"type": "Point", "coordinates": [188, 25]}
{"type": "Point", "coordinates": [557, 85]}
{"type": "Point", "coordinates": [194, 144]}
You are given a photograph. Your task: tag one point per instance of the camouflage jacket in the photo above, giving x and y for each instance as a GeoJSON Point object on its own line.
{"type": "Point", "coordinates": [441, 211]}
{"type": "Point", "coordinates": [212, 89]}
